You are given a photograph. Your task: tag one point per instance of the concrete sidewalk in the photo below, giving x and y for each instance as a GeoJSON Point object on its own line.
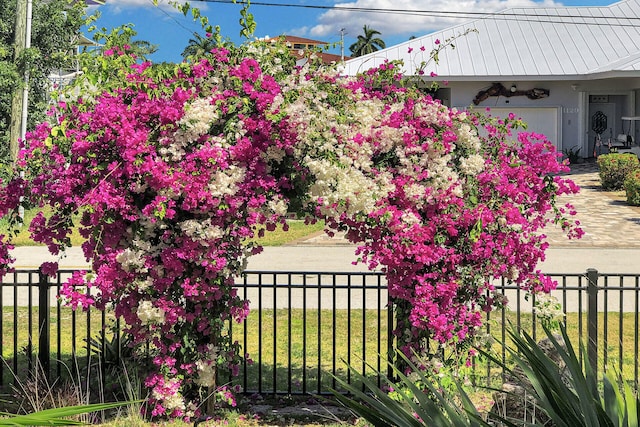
{"type": "Point", "coordinates": [339, 259]}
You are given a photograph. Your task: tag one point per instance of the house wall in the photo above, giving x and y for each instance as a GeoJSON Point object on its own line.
{"type": "Point", "coordinates": [559, 111]}
{"type": "Point", "coordinates": [571, 100]}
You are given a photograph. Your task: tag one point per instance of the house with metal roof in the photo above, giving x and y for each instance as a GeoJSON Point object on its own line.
{"type": "Point", "coordinates": [572, 73]}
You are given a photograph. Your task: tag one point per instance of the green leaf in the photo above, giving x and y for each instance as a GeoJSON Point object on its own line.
{"type": "Point", "coordinates": [474, 235]}
{"type": "Point", "coordinates": [55, 416]}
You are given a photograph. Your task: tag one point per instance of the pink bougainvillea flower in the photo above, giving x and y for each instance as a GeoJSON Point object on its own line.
{"type": "Point", "coordinates": [169, 176]}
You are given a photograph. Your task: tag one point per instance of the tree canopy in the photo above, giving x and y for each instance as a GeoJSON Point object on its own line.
{"type": "Point", "coordinates": [199, 45]}
{"type": "Point", "coordinates": [367, 42]}
{"type": "Point", "coordinates": [55, 27]}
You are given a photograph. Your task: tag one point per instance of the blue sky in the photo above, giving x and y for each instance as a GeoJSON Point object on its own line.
{"type": "Point", "coordinates": [171, 30]}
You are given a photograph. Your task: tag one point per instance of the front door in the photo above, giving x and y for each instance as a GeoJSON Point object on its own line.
{"type": "Point", "coordinates": [602, 118]}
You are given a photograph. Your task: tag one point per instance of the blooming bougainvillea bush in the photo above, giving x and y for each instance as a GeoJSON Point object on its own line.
{"type": "Point", "coordinates": [170, 174]}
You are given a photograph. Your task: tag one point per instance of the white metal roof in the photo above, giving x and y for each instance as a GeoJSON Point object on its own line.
{"type": "Point", "coordinates": [523, 43]}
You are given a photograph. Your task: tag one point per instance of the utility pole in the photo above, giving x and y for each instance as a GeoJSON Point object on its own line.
{"type": "Point", "coordinates": [25, 90]}
{"type": "Point", "coordinates": [341, 44]}
{"type": "Point", "coordinates": [20, 101]}
{"type": "Point", "coordinates": [17, 104]}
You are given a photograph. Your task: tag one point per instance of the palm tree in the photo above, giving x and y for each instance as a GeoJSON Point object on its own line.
{"type": "Point", "coordinates": [367, 43]}
{"type": "Point", "coordinates": [143, 48]}
{"type": "Point", "coordinates": [199, 46]}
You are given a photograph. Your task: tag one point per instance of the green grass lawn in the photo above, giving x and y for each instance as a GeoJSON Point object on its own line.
{"type": "Point", "coordinates": [295, 345]}
{"type": "Point", "coordinates": [297, 230]}
{"type": "Point", "coordinates": [619, 351]}
{"type": "Point", "coordinates": [239, 419]}
{"type": "Point", "coordinates": [360, 338]}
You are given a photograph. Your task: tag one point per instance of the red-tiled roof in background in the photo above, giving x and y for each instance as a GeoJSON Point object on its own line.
{"type": "Point", "coordinates": [303, 52]}
{"type": "Point", "coordinates": [295, 39]}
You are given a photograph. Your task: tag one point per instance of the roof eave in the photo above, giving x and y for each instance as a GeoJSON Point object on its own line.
{"type": "Point", "coordinates": [614, 74]}
{"type": "Point", "coordinates": [551, 77]}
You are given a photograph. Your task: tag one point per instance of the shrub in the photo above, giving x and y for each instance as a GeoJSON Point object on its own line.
{"type": "Point", "coordinates": [614, 169]}
{"type": "Point", "coordinates": [632, 188]}
{"type": "Point", "coordinates": [572, 154]}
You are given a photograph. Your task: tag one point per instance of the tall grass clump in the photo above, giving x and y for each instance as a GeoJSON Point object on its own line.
{"type": "Point", "coordinates": [569, 394]}
{"type": "Point", "coordinates": [75, 398]}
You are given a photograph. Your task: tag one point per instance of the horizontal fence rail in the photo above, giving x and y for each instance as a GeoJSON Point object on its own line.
{"type": "Point", "coordinates": [304, 328]}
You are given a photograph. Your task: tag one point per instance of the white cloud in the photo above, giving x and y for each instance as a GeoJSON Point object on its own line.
{"type": "Point", "coordinates": [119, 5]}
{"type": "Point", "coordinates": [389, 24]}
{"type": "Point", "coordinates": [299, 30]}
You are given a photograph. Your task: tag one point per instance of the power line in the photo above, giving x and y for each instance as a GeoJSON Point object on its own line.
{"type": "Point", "coordinates": [184, 27]}
{"type": "Point", "coordinates": [517, 16]}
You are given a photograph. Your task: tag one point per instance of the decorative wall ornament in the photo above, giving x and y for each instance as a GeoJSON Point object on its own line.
{"type": "Point", "coordinates": [497, 89]}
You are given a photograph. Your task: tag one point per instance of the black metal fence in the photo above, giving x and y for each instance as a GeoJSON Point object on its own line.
{"type": "Point", "coordinates": [305, 327]}
{"type": "Point", "coordinates": [38, 332]}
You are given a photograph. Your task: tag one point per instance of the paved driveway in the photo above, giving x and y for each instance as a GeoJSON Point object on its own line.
{"type": "Point", "coordinates": [606, 218]}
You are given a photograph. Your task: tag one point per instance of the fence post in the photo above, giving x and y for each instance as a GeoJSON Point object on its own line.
{"type": "Point", "coordinates": [390, 337]}
{"type": "Point", "coordinates": [44, 324]}
{"type": "Point", "coordinates": [592, 318]}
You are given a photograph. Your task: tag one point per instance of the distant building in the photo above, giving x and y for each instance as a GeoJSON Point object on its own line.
{"type": "Point", "coordinates": [64, 76]}
{"type": "Point", "coordinates": [572, 73]}
{"type": "Point", "coordinates": [302, 48]}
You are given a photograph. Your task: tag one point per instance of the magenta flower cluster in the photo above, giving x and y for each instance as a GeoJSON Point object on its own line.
{"type": "Point", "coordinates": [170, 177]}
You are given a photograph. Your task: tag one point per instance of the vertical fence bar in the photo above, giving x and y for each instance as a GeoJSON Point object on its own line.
{"type": "Point", "coordinates": [289, 334]}
{"type": "Point", "coordinates": [103, 342]}
{"type": "Point", "coordinates": [275, 332]}
{"type": "Point", "coordinates": [319, 332]}
{"type": "Point", "coordinates": [118, 338]}
{"type": "Point", "coordinates": [620, 329]}
{"type": "Point", "coordinates": [518, 309]}
{"type": "Point", "coordinates": [379, 348]}
{"type": "Point", "coordinates": [364, 327]}
{"type": "Point", "coordinates": [488, 329]}
{"type": "Point", "coordinates": [304, 333]}
{"type": "Point", "coordinates": [245, 329]}
{"type": "Point", "coordinates": [592, 318]}
{"type": "Point", "coordinates": [88, 334]}
{"type": "Point", "coordinates": [74, 332]}
{"type": "Point", "coordinates": [636, 339]}
{"type": "Point", "coordinates": [44, 325]}
{"type": "Point", "coordinates": [503, 337]}
{"type": "Point", "coordinates": [15, 328]}
{"type": "Point", "coordinates": [564, 294]}
{"type": "Point", "coordinates": [333, 334]}
{"type": "Point", "coordinates": [605, 321]}
{"type": "Point", "coordinates": [580, 317]}
{"type": "Point", "coordinates": [260, 335]}
{"type": "Point", "coordinates": [349, 328]}
{"type": "Point", "coordinates": [2, 329]}
{"type": "Point", "coordinates": [58, 329]}
{"type": "Point", "coordinates": [30, 323]}
{"type": "Point", "coordinates": [534, 318]}
{"type": "Point", "coordinates": [390, 336]}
